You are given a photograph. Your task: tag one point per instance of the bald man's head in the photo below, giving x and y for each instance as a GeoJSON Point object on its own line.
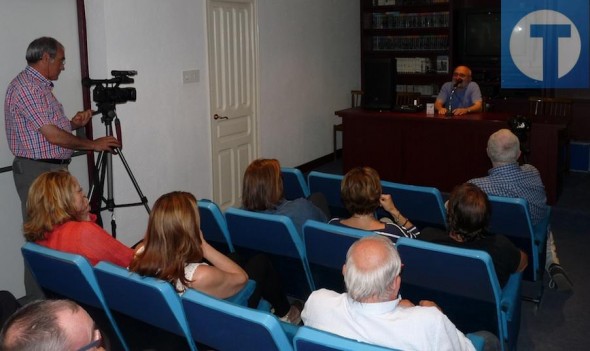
{"type": "Point", "coordinates": [371, 270]}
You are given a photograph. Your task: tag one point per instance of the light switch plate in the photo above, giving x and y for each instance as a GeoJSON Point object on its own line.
{"type": "Point", "coordinates": [190, 76]}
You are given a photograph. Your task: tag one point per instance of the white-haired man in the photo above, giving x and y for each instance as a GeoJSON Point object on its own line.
{"type": "Point", "coordinates": [508, 178]}
{"type": "Point", "coordinates": [372, 311]}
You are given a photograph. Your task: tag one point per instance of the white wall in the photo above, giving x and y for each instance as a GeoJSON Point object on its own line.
{"type": "Point", "coordinates": [17, 30]}
{"type": "Point", "coordinates": [309, 61]}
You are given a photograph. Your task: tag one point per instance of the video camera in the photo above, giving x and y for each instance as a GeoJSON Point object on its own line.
{"type": "Point", "coordinates": [107, 92]}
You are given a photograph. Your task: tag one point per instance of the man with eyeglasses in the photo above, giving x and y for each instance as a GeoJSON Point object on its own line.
{"type": "Point", "coordinates": [459, 96]}
{"type": "Point", "coordinates": [50, 325]}
{"type": "Point", "coordinates": [39, 133]}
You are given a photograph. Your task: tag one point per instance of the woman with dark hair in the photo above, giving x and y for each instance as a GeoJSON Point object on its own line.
{"type": "Point", "coordinates": [262, 191]}
{"type": "Point", "coordinates": [58, 217]}
{"type": "Point", "coordinates": [361, 194]}
{"type": "Point", "coordinates": [468, 214]}
{"type": "Point", "coordinates": [175, 250]}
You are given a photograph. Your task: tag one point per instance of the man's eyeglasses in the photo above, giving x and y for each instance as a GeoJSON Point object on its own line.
{"type": "Point", "coordinates": [461, 75]}
{"type": "Point", "coordinates": [93, 344]}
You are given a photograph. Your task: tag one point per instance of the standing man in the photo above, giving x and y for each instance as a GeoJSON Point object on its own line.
{"type": "Point", "coordinates": [507, 178]}
{"type": "Point", "coordinates": [459, 96]}
{"type": "Point", "coordinates": [38, 132]}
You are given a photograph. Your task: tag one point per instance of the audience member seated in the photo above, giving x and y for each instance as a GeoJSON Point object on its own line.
{"type": "Point", "coordinates": [507, 178]}
{"type": "Point", "coordinates": [468, 214]}
{"type": "Point", "coordinates": [361, 194]}
{"type": "Point", "coordinates": [59, 217]}
{"type": "Point", "coordinates": [175, 250]}
{"type": "Point", "coordinates": [373, 312]}
{"type": "Point", "coordinates": [50, 325]}
{"type": "Point", "coordinates": [262, 191]}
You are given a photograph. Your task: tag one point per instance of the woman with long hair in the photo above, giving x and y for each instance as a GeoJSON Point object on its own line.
{"type": "Point", "coordinates": [175, 250]}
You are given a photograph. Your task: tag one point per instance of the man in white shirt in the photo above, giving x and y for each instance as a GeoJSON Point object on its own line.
{"type": "Point", "coordinates": [372, 311]}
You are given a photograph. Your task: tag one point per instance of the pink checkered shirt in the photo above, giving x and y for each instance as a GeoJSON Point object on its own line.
{"type": "Point", "coordinates": [29, 105]}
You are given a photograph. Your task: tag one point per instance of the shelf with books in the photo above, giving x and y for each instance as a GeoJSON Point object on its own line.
{"type": "Point", "coordinates": [417, 33]}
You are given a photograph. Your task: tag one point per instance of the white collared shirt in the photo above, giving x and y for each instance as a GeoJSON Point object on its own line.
{"type": "Point", "coordinates": [384, 323]}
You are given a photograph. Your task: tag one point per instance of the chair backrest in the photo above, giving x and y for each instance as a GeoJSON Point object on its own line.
{"type": "Point", "coordinates": [464, 284]}
{"type": "Point", "coordinates": [511, 217]}
{"type": "Point", "coordinates": [329, 185]}
{"type": "Point", "coordinates": [66, 275]}
{"type": "Point", "coordinates": [294, 185]}
{"type": "Point", "coordinates": [311, 339]}
{"type": "Point", "coordinates": [550, 109]}
{"type": "Point", "coordinates": [274, 235]}
{"type": "Point", "coordinates": [214, 226]}
{"type": "Point", "coordinates": [146, 299]}
{"type": "Point", "coordinates": [223, 325]}
{"type": "Point", "coordinates": [326, 246]}
{"type": "Point", "coordinates": [421, 204]}
{"type": "Point", "coordinates": [407, 98]}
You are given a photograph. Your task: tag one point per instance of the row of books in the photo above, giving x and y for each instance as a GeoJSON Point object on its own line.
{"type": "Point", "coordinates": [413, 64]}
{"type": "Point", "coordinates": [411, 43]}
{"type": "Point", "coordinates": [396, 20]}
{"type": "Point", "coordinates": [409, 65]}
{"type": "Point", "coordinates": [425, 90]}
{"type": "Point", "coordinates": [408, 2]}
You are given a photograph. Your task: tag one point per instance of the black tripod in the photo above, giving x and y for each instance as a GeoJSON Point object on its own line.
{"type": "Point", "coordinates": [104, 171]}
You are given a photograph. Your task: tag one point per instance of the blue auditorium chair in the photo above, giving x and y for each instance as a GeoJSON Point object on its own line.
{"type": "Point", "coordinates": [275, 235]}
{"type": "Point", "coordinates": [464, 284]}
{"type": "Point", "coordinates": [223, 325]}
{"type": "Point", "coordinates": [294, 185]}
{"type": "Point", "coordinates": [421, 204]}
{"type": "Point", "coordinates": [326, 246]}
{"type": "Point", "coordinates": [214, 226]}
{"type": "Point", "coordinates": [511, 217]}
{"type": "Point", "coordinates": [148, 309]}
{"type": "Point", "coordinates": [311, 339]}
{"type": "Point", "coordinates": [329, 185]}
{"type": "Point", "coordinates": [66, 275]}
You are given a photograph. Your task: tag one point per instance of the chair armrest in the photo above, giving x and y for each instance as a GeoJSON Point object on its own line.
{"type": "Point", "coordinates": [242, 296]}
{"type": "Point", "coordinates": [476, 340]}
{"type": "Point", "coordinates": [511, 295]}
{"type": "Point", "coordinates": [289, 329]}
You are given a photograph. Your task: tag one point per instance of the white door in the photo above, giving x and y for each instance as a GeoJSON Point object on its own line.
{"type": "Point", "coordinates": [231, 34]}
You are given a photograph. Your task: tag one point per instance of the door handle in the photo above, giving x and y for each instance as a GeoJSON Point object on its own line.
{"type": "Point", "coordinates": [216, 116]}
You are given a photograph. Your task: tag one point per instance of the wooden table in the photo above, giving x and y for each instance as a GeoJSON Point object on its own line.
{"type": "Point", "coordinates": [414, 148]}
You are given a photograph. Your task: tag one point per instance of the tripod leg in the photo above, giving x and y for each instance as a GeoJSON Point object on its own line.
{"type": "Point", "coordinates": [95, 193]}
{"type": "Point", "coordinates": [144, 200]}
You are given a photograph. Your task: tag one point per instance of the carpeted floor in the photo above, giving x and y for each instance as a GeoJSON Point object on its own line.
{"type": "Point", "coordinates": [562, 320]}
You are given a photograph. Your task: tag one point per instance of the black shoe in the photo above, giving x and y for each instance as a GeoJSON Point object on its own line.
{"type": "Point", "coordinates": [559, 279]}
